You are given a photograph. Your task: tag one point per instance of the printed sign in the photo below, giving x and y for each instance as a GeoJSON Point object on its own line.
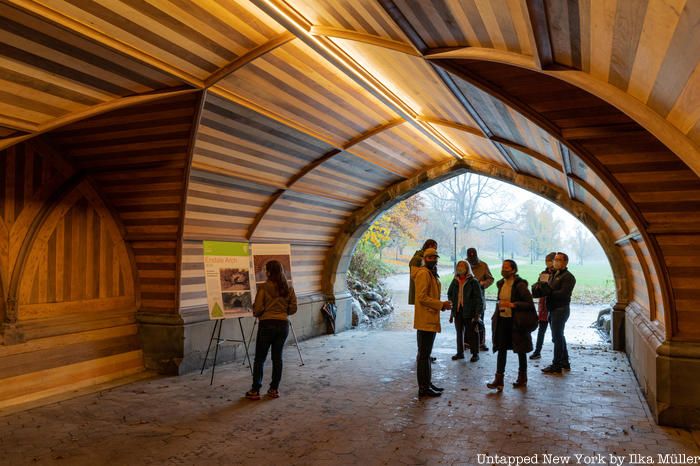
{"type": "Point", "coordinates": [264, 253]}
{"type": "Point", "coordinates": [230, 288]}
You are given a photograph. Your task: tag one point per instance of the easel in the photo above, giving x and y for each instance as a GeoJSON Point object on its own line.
{"type": "Point", "coordinates": [219, 323]}
{"type": "Point", "coordinates": [294, 334]}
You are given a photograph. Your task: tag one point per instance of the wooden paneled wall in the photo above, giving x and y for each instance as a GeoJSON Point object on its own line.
{"type": "Point", "coordinates": [139, 159]}
{"type": "Point", "coordinates": [70, 297]}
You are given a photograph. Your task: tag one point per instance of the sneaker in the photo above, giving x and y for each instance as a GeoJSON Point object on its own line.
{"type": "Point", "coordinates": [437, 389]}
{"type": "Point", "coordinates": [535, 356]}
{"type": "Point", "coordinates": [458, 356]}
{"type": "Point", "coordinates": [552, 370]}
{"type": "Point", "coordinates": [429, 392]}
{"type": "Point", "coordinates": [483, 348]}
{"type": "Point", "coordinates": [474, 358]}
{"type": "Point", "coordinates": [273, 393]}
{"type": "Point", "coordinates": [252, 395]}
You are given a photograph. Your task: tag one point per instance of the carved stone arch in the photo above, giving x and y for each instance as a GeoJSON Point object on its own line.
{"type": "Point", "coordinates": [77, 261]}
{"type": "Point", "coordinates": [338, 258]}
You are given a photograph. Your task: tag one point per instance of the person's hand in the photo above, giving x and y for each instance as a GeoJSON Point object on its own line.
{"type": "Point", "coordinates": [446, 305]}
{"type": "Point", "coordinates": [451, 319]}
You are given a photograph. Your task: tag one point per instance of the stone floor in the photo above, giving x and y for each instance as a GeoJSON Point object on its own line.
{"type": "Point", "coordinates": [353, 402]}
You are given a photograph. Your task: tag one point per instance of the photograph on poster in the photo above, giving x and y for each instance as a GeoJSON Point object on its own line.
{"type": "Point", "coordinates": [234, 279]}
{"type": "Point", "coordinates": [261, 261]}
{"type": "Point", "coordinates": [237, 300]}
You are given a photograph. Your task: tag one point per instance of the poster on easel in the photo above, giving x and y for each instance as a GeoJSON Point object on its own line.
{"type": "Point", "coordinates": [229, 280]}
{"type": "Point", "coordinates": [264, 253]}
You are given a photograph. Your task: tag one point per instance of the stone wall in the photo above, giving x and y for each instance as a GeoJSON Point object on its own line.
{"type": "Point", "coordinates": [177, 345]}
{"type": "Point", "coordinates": [668, 372]}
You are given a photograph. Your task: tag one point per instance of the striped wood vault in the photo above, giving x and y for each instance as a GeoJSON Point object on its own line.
{"type": "Point", "coordinates": [132, 131]}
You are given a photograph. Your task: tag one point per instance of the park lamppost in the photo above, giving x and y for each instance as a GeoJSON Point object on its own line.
{"type": "Point", "coordinates": [503, 247]}
{"type": "Point", "coordinates": [454, 225]}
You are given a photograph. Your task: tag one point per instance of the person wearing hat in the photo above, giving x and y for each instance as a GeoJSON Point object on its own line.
{"type": "Point", "coordinates": [414, 264]}
{"type": "Point", "coordinates": [426, 318]}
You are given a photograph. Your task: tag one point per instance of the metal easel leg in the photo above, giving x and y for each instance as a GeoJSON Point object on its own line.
{"type": "Point", "coordinates": [245, 345]}
{"type": "Point", "coordinates": [216, 322]}
{"type": "Point", "coordinates": [296, 342]}
{"type": "Point", "coordinates": [216, 352]}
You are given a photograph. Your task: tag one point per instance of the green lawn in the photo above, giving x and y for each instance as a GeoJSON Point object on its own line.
{"type": "Point", "coordinates": [594, 279]}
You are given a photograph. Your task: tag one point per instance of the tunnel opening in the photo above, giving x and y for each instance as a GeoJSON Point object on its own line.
{"type": "Point", "coordinates": [500, 221]}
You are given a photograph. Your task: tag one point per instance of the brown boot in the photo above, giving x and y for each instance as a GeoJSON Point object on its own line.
{"type": "Point", "coordinates": [497, 382]}
{"type": "Point", "coordinates": [522, 380]}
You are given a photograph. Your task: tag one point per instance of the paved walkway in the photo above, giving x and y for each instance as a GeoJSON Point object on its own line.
{"type": "Point", "coordinates": [354, 402]}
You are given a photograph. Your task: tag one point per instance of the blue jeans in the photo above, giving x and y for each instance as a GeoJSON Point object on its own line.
{"type": "Point", "coordinates": [271, 334]}
{"type": "Point", "coordinates": [557, 322]}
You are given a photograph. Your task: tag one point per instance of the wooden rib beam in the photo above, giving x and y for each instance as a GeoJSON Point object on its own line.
{"type": "Point", "coordinates": [18, 124]}
{"type": "Point", "coordinates": [568, 171]}
{"type": "Point", "coordinates": [311, 166]}
{"type": "Point", "coordinates": [598, 197]}
{"type": "Point", "coordinates": [537, 14]}
{"type": "Point", "coordinates": [526, 150]}
{"type": "Point", "coordinates": [553, 131]}
{"type": "Point", "coordinates": [452, 124]}
{"type": "Point", "coordinates": [371, 39]}
{"type": "Point", "coordinates": [395, 13]}
{"type": "Point", "coordinates": [248, 57]}
{"type": "Point", "coordinates": [632, 236]}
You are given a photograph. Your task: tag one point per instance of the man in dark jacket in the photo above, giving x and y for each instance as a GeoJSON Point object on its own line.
{"type": "Point", "coordinates": [558, 293]}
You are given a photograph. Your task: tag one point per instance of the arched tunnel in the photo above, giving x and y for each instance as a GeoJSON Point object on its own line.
{"type": "Point", "coordinates": [131, 132]}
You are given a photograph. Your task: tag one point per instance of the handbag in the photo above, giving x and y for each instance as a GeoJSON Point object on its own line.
{"type": "Point", "coordinates": [526, 321]}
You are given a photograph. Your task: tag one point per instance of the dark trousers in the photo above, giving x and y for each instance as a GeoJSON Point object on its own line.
{"type": "Point", "coordinates": [425, 347]}
{"type": "Point", "coordinates": [557, 320]}
{"type": "Point", "coordinates": [482, 333]}
{"type": "Point", "coordinates": [501, 361]}
{"type": "Point", "coordinates": [466, 333]}
{"type": "Point", "coordinates": [540, 335]}
{"type": "Point", "coordinates": [271, 334]}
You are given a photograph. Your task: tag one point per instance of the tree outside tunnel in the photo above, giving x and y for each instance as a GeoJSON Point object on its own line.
{"type": "Point", "coordinates": [483, 208]}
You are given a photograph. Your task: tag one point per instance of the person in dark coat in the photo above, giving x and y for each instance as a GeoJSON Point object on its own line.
{"type": "Point", "coordinates": [466, 297]}
{"type": "Point", "coordinates": [513, 298]}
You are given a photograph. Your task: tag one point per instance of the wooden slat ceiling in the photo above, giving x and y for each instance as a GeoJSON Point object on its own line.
{"type": "Point", "coordinates": [332, 101]}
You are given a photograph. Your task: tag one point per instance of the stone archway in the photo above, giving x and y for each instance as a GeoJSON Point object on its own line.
{"type": "Point", "coordinates": [339, 258]}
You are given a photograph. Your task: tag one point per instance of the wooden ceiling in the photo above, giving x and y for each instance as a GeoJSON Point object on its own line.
{"type": "Point", "coordinates": [309, 108]}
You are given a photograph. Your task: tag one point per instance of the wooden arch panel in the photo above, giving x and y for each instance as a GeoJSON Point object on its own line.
{"type": "Point", "coordinates": [78, 263]}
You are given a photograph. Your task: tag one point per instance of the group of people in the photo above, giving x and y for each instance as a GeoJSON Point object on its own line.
{"type": "Point", "coordinates": [510, 322]}
{"type": "Point", "coordinates": [276, 300]}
